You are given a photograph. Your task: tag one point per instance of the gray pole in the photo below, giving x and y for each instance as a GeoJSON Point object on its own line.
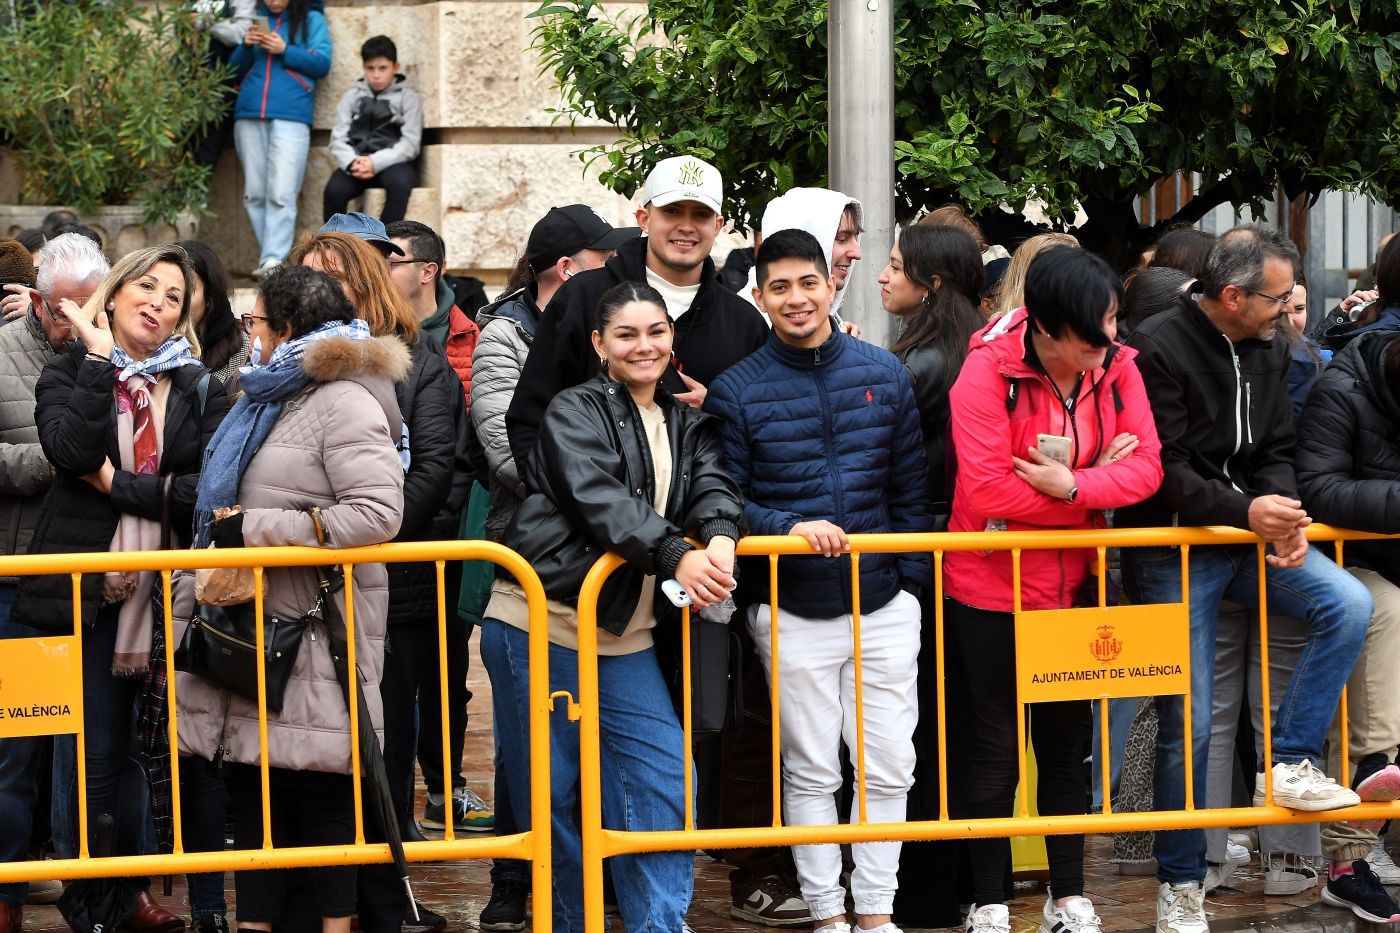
{"type": "Point", "coordinates": [860, 160]}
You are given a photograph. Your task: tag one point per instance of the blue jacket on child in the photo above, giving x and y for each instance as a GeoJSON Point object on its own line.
{"type": "Point", "coordinates": [833, 433]}
{"type": "Point", "coordinates": [282, 87]}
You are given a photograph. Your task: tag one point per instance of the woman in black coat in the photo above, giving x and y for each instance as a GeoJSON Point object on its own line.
{"type": "Point", "coordinates": [121, 483]}
{"type": "Point", "coordinates": [620, 466]}
{"type": "Point", "coordinates": [932, 282]}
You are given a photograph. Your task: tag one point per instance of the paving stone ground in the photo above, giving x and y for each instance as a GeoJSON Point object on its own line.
{"type": "Point", "coordinates": [460, 890]}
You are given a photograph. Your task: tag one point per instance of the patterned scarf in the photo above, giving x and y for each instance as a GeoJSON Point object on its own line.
{"type": "Point", "coordinates": [139, 428]}
{"type": "Point", "coordinates": [250, 421]}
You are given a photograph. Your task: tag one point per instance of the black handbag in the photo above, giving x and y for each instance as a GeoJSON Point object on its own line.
{"type": "Point", "coordinates": [220, 646]}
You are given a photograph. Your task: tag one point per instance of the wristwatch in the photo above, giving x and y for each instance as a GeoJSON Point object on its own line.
{"type": "Point", "coordinates": [1073, 494]}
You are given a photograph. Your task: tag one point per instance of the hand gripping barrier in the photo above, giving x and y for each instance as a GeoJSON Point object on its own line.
{"type": "Point", "coordinates": [58, 667]}
{"type": "Point", "coordinates": [600, 842]}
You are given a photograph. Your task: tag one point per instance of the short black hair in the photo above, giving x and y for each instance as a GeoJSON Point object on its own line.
{"type": "Point", "coordinates": [58, 218]}
{"type": "Point", "coordinates": [788, 244]}
{"type": "Point", "coordinates": [33, 238]}
{"type": "Point", "coordinates": [423, 241]}
{"type": "Point", "coordinates": [1070, 290]}
{"type": "Point", "coordinates": [80, 229]}
{"type": "Point", "coordinates": [302, 298]}
{"type": "Point", "coordinates": [379, 47]}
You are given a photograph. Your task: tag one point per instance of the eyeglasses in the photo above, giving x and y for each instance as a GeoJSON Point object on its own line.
{"type": "Point", "coordinates": [1279, 300]}
{"type": "Point", "coordinates": [248, 320]}
{"type": "Point", "coordinates": [406, 262]}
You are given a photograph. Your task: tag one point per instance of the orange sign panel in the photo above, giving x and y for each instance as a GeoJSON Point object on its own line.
{"type": "Point", "coordinates": [1117, 651]}
{"type": "Point", "coordinates": [41, 690]}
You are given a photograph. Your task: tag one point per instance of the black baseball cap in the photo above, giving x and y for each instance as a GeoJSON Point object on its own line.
{"type": "Point", "coordinates": [566, 230]}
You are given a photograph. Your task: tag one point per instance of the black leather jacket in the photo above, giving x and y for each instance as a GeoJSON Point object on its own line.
{"type": "Point", "coordinates": [932, 378]}
{"type": "Point", "coordinates": [591, 486]}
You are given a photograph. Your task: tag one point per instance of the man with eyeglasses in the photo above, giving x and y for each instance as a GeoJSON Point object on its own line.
{"type": "Point", "coordinates": [70, 267]}
{"type": "Point", "coordinates": [1216, 378]}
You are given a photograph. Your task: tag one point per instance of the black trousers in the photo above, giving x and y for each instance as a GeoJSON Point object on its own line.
{"type": "Point", "coordinates": [398, 182]}
{"type": "Point", "coordinates": [459, 634]}
{"type": "Point", "coordinates": [983, 642]}
{"type": "Point", "coordinates": [308, 808]}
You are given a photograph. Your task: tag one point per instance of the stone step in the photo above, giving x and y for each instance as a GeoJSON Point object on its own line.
{"type": "Point", "coordinates": [424, 204]}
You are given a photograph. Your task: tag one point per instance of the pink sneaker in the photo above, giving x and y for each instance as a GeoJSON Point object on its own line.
{"type": "Point", "coordinates": [1383, 785]}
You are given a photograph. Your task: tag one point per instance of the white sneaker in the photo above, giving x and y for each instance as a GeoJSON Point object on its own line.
{"type": "Point", "coordinates": [994, 918]}
{"type": "Point", "coordinates": [1379, 860]}
{"type": "Point", "coordinates": [1181, 908]}
{"type": "Point", "coordinates": [1077, 916]}
{"type": "Point", "coordinates": [1302, 787]}
{"type": "Point", "coordinates": [1288, 874]}
{"type": "Point", "coordinates": [886, 927]}
{"type": "Point", "coordinates": [1217, 875]}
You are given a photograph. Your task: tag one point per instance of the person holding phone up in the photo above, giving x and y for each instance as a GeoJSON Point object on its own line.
{"type": "Point", "coordinates": [1050, 426]}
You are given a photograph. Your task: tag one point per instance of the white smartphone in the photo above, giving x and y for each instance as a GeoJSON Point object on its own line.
{"type": "Point", "coordinates": [1053, 446]}
{"type": "Point", "coordinates": [675, 593]}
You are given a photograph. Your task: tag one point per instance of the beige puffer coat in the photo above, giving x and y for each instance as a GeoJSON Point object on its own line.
{"type": "Point", "coordinates": [331, 447]}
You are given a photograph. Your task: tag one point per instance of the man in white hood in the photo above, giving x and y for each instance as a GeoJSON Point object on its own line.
{"type": "Point", "coordinates": [835, 219]}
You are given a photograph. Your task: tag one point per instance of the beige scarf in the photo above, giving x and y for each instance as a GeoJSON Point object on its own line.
{"type": "Point", "coordinates": [133, 589]}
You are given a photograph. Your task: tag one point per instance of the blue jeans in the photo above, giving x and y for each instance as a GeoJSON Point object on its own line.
{"type": "Point", "coordinates": [1336, 608]}
{"type": "Point", "coordinates": [20, 761]}
{"type": "Point", "coordinates": [642, 774]}
{"type": "Point", "coordinates": [115, 782]}
{"type": "Point", "coordinates": [273, 153]}
{"type": "Point", "coordinates": [1121, 712]}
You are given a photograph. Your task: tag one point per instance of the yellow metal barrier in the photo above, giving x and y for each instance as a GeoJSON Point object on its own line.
{"type": "Point", "coordinates": [532, 845]}
{"type": "Point", "coordinates": [599, 842]}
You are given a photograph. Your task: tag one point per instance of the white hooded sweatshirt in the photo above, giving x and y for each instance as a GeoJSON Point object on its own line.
{"type": "Point", "coordinates": [816, 210]}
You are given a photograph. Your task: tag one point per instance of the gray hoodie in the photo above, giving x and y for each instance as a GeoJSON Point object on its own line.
{"type": "Point", "coordinates": [387, 127]}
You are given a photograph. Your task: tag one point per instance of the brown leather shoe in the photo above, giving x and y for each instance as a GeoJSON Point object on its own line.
{"type": "Point", "coordinates": [150, 917]}
{"type": "Point", "coordinates": [11, 918]}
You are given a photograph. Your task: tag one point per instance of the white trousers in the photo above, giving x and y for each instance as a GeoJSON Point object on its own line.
{"type": "Point", "coordinates": [817, 711]}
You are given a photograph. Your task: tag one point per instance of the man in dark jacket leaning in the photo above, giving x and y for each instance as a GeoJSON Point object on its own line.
{"type": "Point", "coordinates": [715, 328]}
{"type": "Point", "coordinates": [822, 435]}
{"type": "Point", "coordinates": [1216, 378]}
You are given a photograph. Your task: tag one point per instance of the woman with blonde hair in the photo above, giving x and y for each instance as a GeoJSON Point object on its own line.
{"type": "Point", "coordinates": [430, 437]}
{"type": "Point", "coordinates": [1011, 291]}
{"type": "Point", "coordinates": [123, 420]}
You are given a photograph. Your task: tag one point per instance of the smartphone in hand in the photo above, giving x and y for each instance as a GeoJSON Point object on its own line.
{"type": "Point", "coordinates": [1054, 446]}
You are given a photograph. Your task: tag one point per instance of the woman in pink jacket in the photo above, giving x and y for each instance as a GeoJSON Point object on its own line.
{"type": "Point", "coordinates": [1050, 368]}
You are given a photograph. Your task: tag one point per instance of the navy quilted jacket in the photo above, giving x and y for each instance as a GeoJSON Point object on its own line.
{"type": "Point", "coordinates": [826, 433]}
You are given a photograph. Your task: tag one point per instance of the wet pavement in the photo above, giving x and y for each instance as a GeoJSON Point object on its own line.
{"type": "Point", "coordinates": [460, 890]}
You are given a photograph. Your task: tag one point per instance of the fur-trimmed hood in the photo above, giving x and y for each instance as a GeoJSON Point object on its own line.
{"type": "Point", "coordinates": [375, 364]}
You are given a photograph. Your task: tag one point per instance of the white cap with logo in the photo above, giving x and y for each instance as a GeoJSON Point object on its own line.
{"type": "Point", "coordinates": [684, 178]}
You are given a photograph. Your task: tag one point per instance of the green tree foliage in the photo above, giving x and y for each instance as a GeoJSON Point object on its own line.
{"type": "Point", "coordinates": [1082, 103]}
{"type": "Point", "coordinates": [101, 101]}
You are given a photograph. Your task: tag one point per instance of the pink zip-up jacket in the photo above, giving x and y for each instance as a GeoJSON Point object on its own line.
{"type": "Point", "coordinates": [1000, 403]}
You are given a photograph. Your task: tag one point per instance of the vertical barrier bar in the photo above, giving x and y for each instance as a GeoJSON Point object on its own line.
{"type": "Point", "coordinates": [1022, 792]}
{"type": "Point", "coordinates": [352, 678]}
{"type": "Point", "coordinates": [1342, 711]}
{"type": "Point", "coordinates": [81, 738]}
{"type": "Point", "coordinates": [1186, 711]}
{"type": "Point", "coordinates": [941, 664]}
{"type": "Point", "coordinates": [590, 771]}
{"type": "Point", "coordinates": [1103, 577]}
{"type": "Point", "coordinates": [1105, 762]}
{"type": "Point", "coordinates": [860, 688]}
{"type": "Point", "coordinates": [773, 687]}
{"type": "Point", "coordinates": [541, 831]}
{"type": "Point", "coordinates": [264, 767]}
{"type": "Point", "coordinates": [1265, 694]}
{"type": "Point", "coordinates": [449, 806]}
{"type": "Point", "coordinates": [687, 752]}
{"type": "Point", "coordinates": [174, 734]}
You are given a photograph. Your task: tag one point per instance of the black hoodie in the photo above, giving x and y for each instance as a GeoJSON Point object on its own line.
{"type": "Point", "coordinates": [1349, 451]}
{"type": "Point", "coordinates": [1223, 414]}
{"type": "Point", "coordinates": [717, 331]}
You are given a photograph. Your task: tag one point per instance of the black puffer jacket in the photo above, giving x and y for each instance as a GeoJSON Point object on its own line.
{"type": "Point", "coordinates": [932, 375]}
{"type": "Point", "coordinates": [1348, 457]}
{"type": "Point", "coordinates": [718, 330]}
{"type": "Point", "coordinates": [434, 408]}
{"type": "Point", "coordinates": [594, 484]}
{"type": "Point", "coordinates": [75, 411]}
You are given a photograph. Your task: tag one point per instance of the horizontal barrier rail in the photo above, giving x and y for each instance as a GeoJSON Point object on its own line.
{"type": "Point", "coordinates": [532, 846]}
{"type": "Point", "coordinates": [600, 842]}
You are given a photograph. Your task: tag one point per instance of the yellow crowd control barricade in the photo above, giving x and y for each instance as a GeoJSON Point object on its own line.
{"type": "Point", "coordinates": [41, 694]}
{"type": "Point", "coordinates": [1093, 653]}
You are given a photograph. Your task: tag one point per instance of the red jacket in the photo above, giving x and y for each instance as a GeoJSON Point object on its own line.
{"type": "Point", "coordinates": [462, 334]}
{"type": "Point", "coordinates": [987, 429]}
